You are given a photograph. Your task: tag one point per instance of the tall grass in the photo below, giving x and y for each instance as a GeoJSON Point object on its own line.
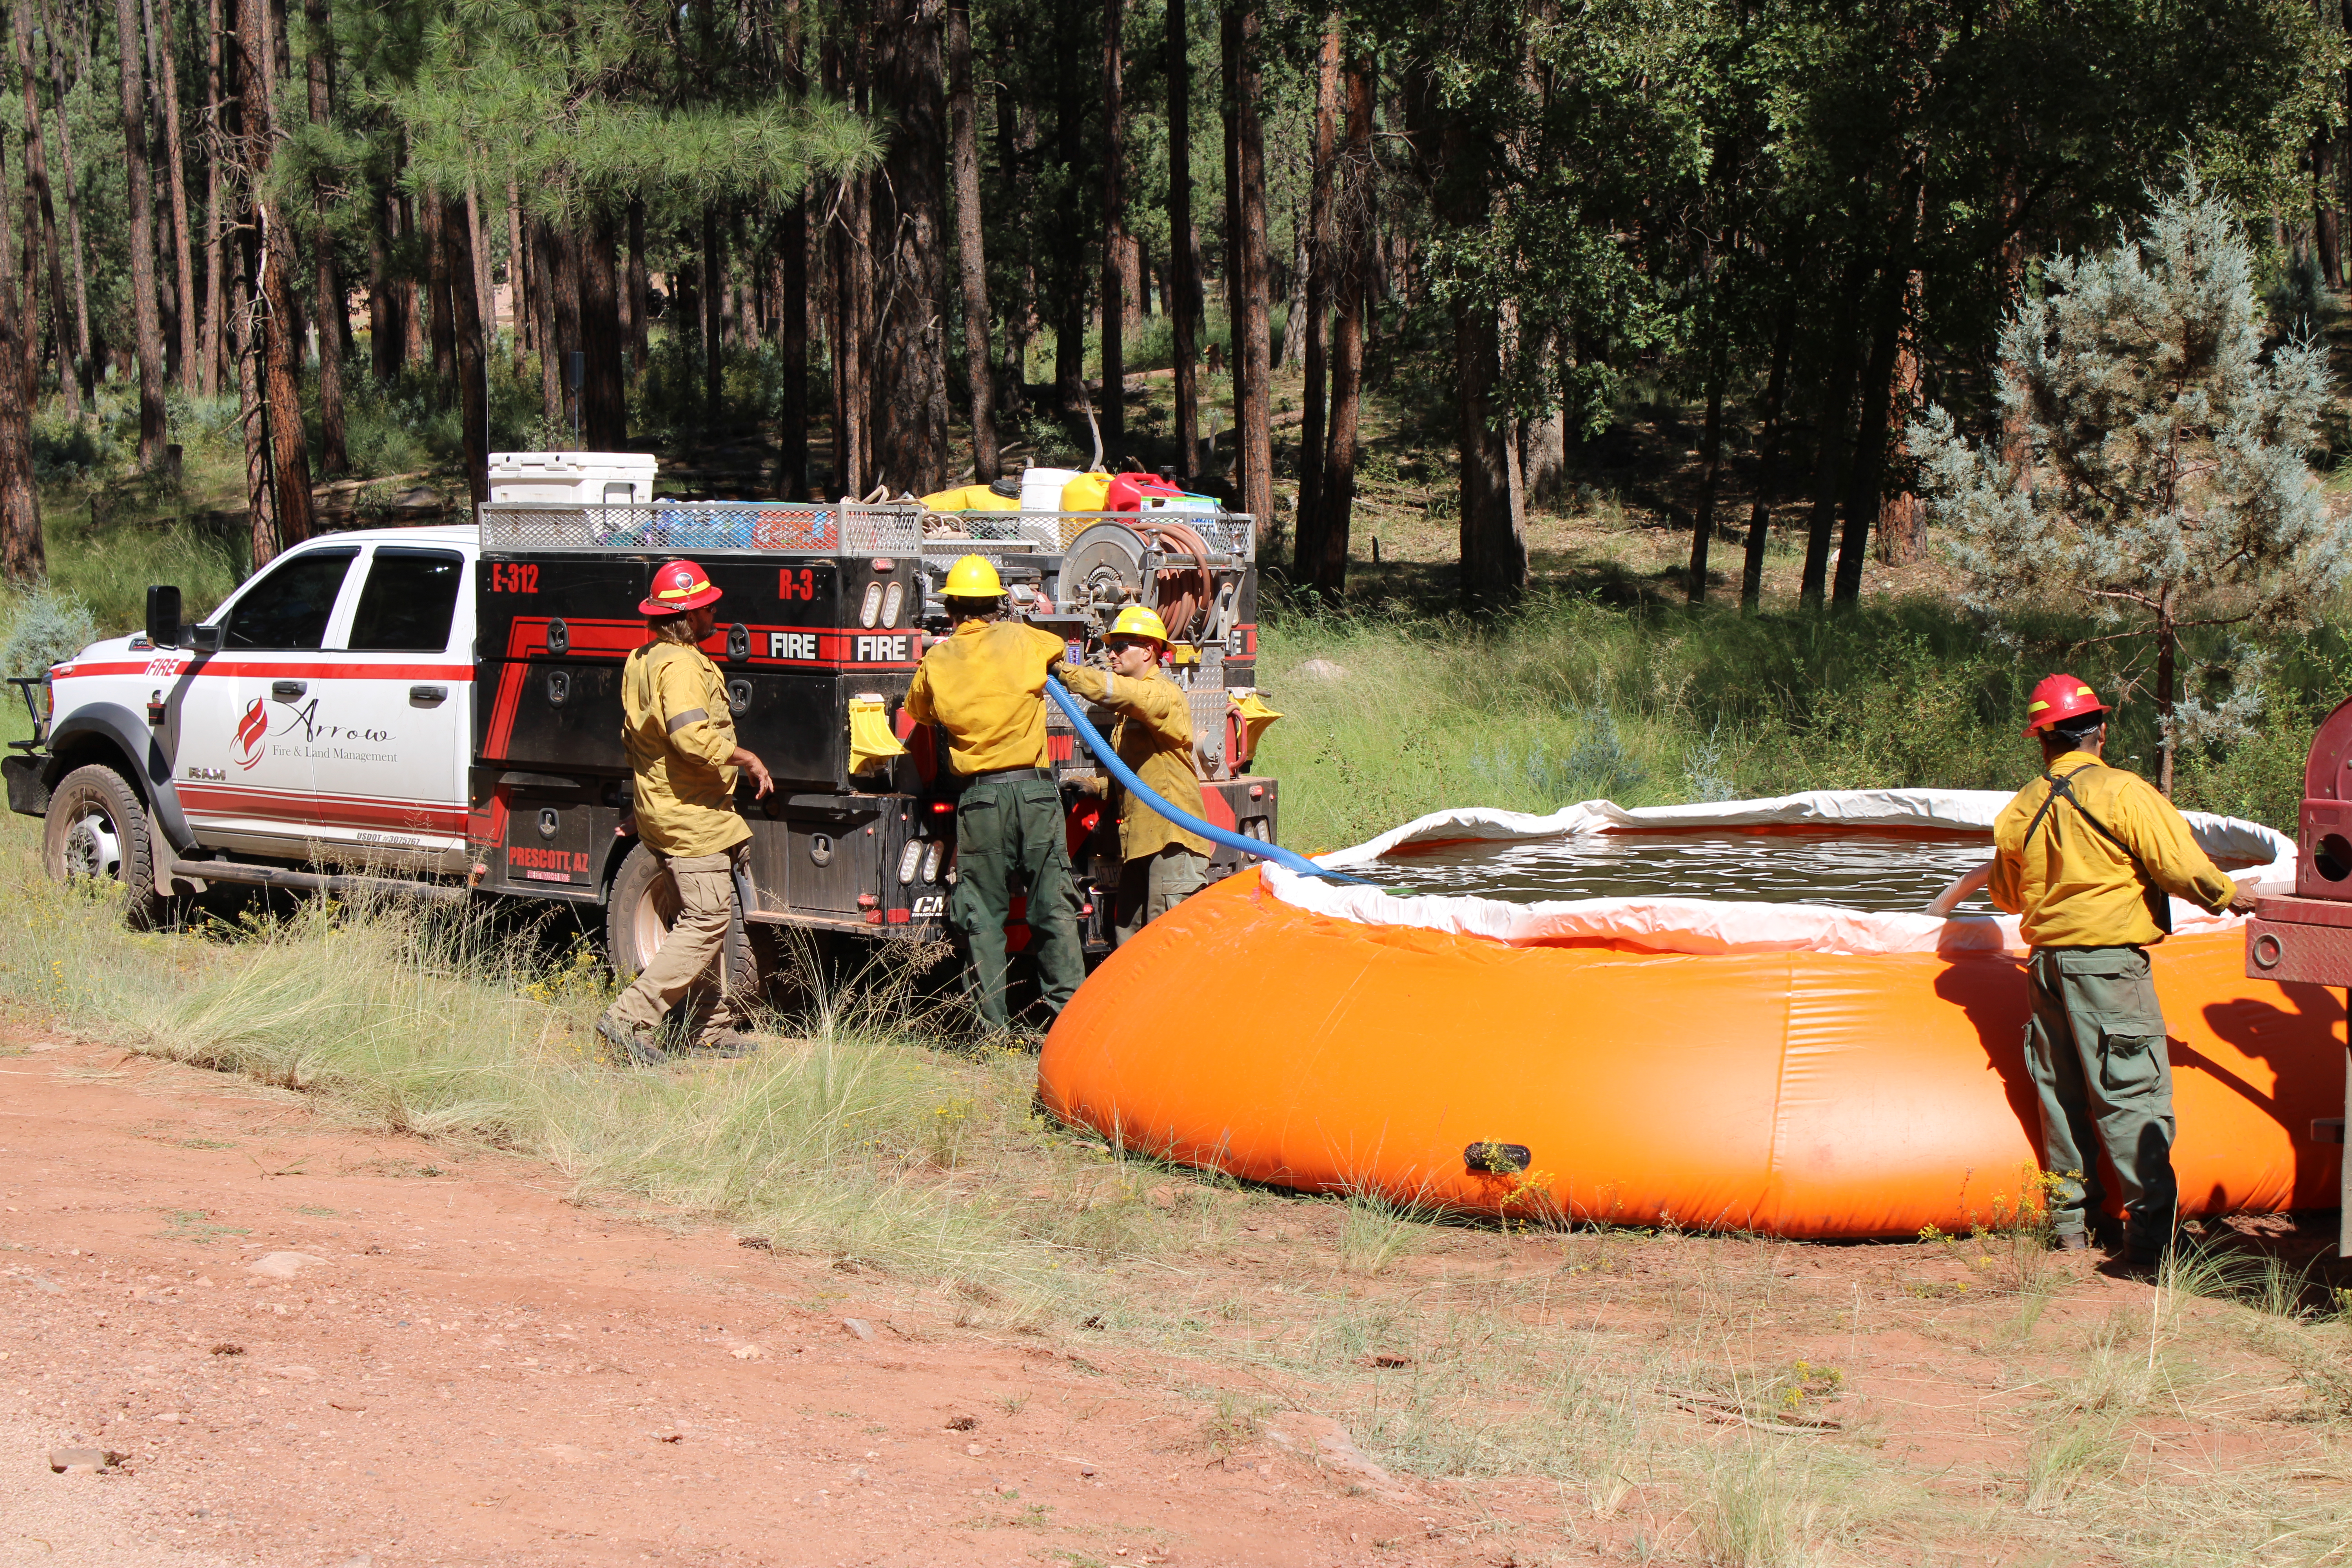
{"type": "Point", "coordinates": [846, 1138]}
{"type": "Point", "coordinates": [1394, 713]}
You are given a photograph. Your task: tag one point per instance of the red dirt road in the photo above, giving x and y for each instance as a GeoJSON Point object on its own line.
{"type": "Point", "coordinates": [476, 1371]}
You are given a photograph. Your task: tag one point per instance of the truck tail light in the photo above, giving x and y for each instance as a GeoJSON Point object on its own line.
{"type": "Point", "coordinates": [872, 605]}
{"type": "Point", "coordinates": [910, 859]}
{"type": "Point", "coordinates": [893, 596]}
{"type": "Point", "coordinates": [931, 862]}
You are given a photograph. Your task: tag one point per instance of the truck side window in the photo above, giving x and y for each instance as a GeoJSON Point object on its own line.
{"type": "Point", "coordinates": [410, 599]}
{"type": "Point", "coordinates": [289, 608]}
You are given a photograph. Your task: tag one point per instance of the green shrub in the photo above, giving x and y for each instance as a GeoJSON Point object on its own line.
{"type": "Point", "coordinates": [46, 626]}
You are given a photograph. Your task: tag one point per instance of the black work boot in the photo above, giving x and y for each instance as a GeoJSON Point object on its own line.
{"type": "Point", "coordinates": [629, 1049]}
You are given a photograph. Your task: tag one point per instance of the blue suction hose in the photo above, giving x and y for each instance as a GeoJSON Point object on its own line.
{"type": "Point", "coordinates": [1289, 858]}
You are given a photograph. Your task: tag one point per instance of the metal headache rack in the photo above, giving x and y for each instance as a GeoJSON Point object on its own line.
{"type": "Point", "coordinates": [838, 528]}
{"type": "Point", "coordinates": [842, 528]}
{"type": "Point", "coordinates": [952, 534]}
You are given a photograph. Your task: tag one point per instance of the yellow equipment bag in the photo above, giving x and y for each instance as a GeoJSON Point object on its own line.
{"type": "Point", "coordinates": [971, 498]}
{"type": "Point", "coordinates": [871, 743]}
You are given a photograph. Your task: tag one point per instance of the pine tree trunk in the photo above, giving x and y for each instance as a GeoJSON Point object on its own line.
{"type": "Point", "coordinates": [632, 320]}
{"type": "Point", "coordinates": [176, 186]}
{"type": "Point", "coordinates": [1229, 60]}
{"type": "Point", "coordinates": [414, 303]}
{"type": "Point", "coordinates": [387, 333]}
{"type": "Point", "coordinates": [1308, 557]}
{"type": "Point", "coordinates": [541, 244]}
{"type": "Point", "coordinates": [289, 457]}
{"type": "Point", "coordinates": [2167, 690]}
{"type": "Point", "coordinates": [603, 387]}
{"type": "Point", "coordinates": [333, 457]}
{"type": "Point", "coordinates": [640, 292]}
{"type": "Point", "coordinates": [963, 120]}
{"type": "Point", "coordinates": [564, 261]}
{"type": "Point", "coordinates": [471, 353]}
{"type": "Point", "coordinates": [36, 169]}
{"type": "Point", "coordinates": [1768, 468]}
{"type": "Point", "coordinates": [438, 286]}
{"type": "Point", "coordinates": [28, 308]}
{"type": "Point", "coordinates": [1900, 519]}
{"type": "Point", "coordinates": [23, 557]}
{"type": "Point", "coordinates": [1711, 456]}
{"type": "Point", "coordinates": [1292, 349]}
{"type": "Point", "coordinates": [85, 369]}
{"type": "Point", "coordinates": [261, 502]}
{"type": "Point", "coordinates": [1183, 278]}
{"type": "Point", "coordinates": [792, 332]}
{"type": "Point", "coordinates": [714, 324]}
{"type": "Point", "coordinates": [517, 280]}
{"type": "Point", "coordinates": [1837, 402]}
{"type": "Point", "coordinates": [1494, 531]}
{"type": "Point", "coordinates": [1252, 412]}
{"type": "Point", "coordinates": [1113, 337]}
{"type": "Point", "coordinates": [486, 304]}
{"type": "Point", "coordinates": [2326, 235]}
{"type": "Point", "coordinates": [911, 231]}
{"type": "Point", "coordinates": [1350, 259]}
{"type": "Point", "coordinates": [243, 331]}
{"type": "Point", "coordinates": [212, 348]}
{"type": "Point", "coordinates": [143, 238]}
{"type": "Point", "coordinates": [1871, 433]}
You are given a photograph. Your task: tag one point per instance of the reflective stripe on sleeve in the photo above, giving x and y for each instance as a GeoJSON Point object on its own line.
{"type": "Point", "coordinates": [691, 716]}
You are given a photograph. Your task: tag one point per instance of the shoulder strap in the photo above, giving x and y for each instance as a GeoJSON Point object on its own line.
{"type": "Point", "coordinates": [2159, 904]}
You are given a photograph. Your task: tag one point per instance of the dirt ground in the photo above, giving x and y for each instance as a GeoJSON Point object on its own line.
{"type": "Point", "coordinates": [311, 1346]}
{"type": "Point", "coordinates": [316, 1347]}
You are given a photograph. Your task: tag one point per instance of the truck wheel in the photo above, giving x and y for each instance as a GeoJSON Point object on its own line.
{"type": "Point", "coordinates": [96, 828]}
{"type": "Point", "coordinates": [637, 914]}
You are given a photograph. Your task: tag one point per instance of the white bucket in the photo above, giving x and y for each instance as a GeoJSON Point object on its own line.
{"type": "Point", "coordinates": [1041, 489]}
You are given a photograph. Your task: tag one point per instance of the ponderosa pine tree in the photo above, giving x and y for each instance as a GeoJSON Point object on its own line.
{"type": "Point", "coordinates": [2163, 481]}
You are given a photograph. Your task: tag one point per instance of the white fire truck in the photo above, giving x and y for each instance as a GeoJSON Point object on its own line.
{"type": "Point", "coordinates": [437, 711]}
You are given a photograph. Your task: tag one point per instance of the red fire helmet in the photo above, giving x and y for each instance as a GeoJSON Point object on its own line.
{"type": "Point", "coordinates": [678, 586]}
{"type": "Point", "coordinates": [2058, 697]}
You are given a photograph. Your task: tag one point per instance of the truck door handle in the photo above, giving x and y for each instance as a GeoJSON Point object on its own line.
{"type": "Point", "coordinates": [285, 690]}
{"type": "Point", "coordinates": [427, 694]}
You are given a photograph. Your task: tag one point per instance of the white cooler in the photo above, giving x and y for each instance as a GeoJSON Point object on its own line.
{"type": "Point", "coordinates": [610, 479]}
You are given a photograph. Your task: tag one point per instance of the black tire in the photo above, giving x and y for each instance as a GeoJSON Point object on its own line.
{"type": "Point", "coordinates": [96, 828]}
{"type": "Point", "coordinates": [638, 909]}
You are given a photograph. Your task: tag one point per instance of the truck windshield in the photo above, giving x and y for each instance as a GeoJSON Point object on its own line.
{"type": "Point", "coordinates": [289, 608]}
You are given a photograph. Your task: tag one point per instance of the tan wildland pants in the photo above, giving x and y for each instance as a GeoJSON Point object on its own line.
{"type": "Point", "coordinates": [705, 906]}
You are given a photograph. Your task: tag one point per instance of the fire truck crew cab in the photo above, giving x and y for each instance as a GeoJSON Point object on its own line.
{"type": "Point", "coordinates": [437, 710]}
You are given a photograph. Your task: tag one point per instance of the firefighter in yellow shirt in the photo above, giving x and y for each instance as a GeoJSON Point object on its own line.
{"type": "Point", "coordinates": [681, 736]}
{"type": "Point", "coordinates": [985, 686]}
{"type": "Point", "coordinates": [2090, 856]}
{"type": "Point", "coordinates": [1161, 865]}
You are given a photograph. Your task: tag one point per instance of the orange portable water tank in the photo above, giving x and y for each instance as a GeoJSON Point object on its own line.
{"type": "Point", "coordinates": [1798, 1093]}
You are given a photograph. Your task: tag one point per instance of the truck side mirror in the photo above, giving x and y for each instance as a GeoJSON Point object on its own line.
{"type": "Point", "coordinates": [204, 639]}
{"type": "Point", "coordinates": [163, 616]}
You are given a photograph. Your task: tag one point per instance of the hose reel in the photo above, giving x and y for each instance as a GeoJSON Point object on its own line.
{"type": "Point", "coordinates": [1105, 569]}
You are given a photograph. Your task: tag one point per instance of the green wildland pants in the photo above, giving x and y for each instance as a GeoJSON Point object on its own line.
{"type": "Point", "coordinates": [2096, 1050]}
{"type": "Point", "coordinates": [1152, 885]}
{"type": "Point", "coordinates": [1003, 826]}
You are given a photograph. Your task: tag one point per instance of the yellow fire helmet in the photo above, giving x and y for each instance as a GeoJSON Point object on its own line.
{"type": "Point", "coordinates": [1135, 621]}
{"type": "Point", "coordinates": [973, 578]}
